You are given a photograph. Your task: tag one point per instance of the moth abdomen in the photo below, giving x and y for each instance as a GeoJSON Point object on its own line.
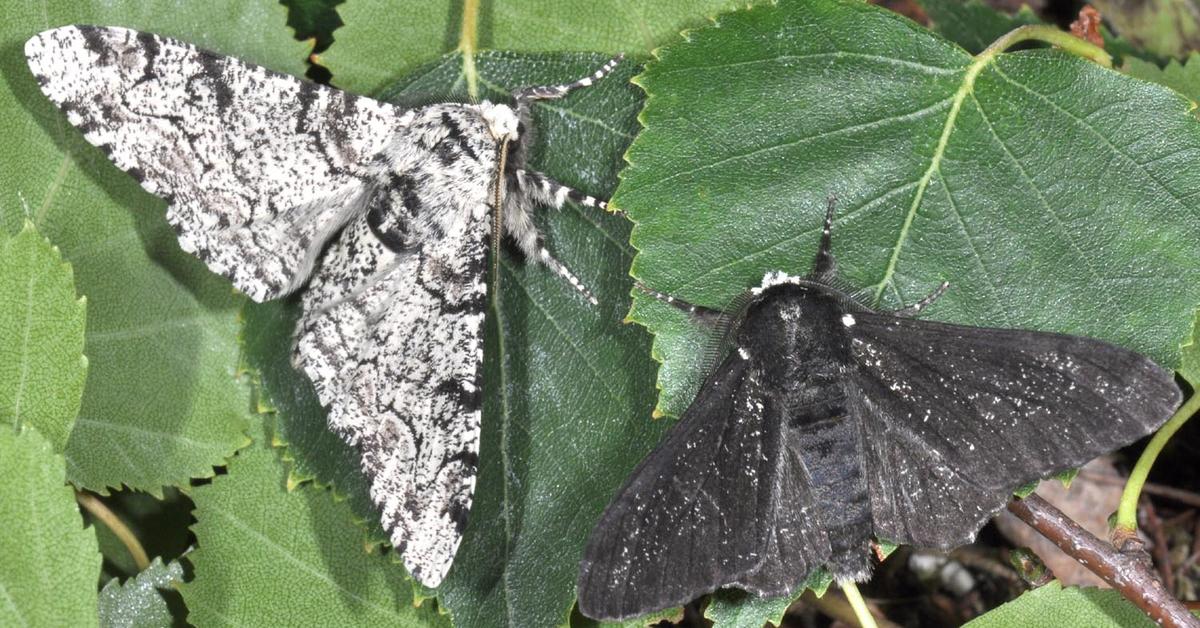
{"type": "Point", "coordinates": [828, 439]}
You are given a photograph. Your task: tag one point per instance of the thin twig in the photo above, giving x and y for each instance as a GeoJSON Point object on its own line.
{"type": "Point", "coordinates": [1175, 494]}
{"type": "Point", "coordinates": [1128, 573]}
{"type": "Point", "coordinates": [1162, 557]}
{"type": "Point", "coordinates": [101, 512]}
{"type": "Point", "coordinates": [1195, 555]}
{"type": "Point", "coordinates": [1181, 520]}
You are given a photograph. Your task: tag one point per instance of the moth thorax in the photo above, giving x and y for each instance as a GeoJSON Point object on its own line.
{"type": "Point", "coordinates": [790, 311]}
{"type": "Point", "coordinates": [501, 121]}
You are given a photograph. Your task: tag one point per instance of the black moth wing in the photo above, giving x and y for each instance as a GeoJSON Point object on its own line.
{"type": "Point", "coordinates": [703, 509]}
{"type": "Point", "coordinates": [957, 417]}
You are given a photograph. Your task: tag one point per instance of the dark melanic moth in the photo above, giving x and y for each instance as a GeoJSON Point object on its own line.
{"type": "Point", "coordinates": [379, 213]}
{"type": "Point", "coordinates": [827, 423]}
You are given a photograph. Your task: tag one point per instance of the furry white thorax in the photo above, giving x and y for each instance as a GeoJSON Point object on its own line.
{"type": "Point", "coordinates": [501, 121]}
{"type": "Point", "coordinates": [774, 278]}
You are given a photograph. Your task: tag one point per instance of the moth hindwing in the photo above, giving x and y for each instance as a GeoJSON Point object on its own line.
{"type": "Point", "coordinates": [378, 214]}
{"type": "Point", "coordinates": [827, 423]}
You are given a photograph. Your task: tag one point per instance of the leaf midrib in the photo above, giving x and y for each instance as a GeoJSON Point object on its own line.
{"type": "Point", "coordinates": [269, 543]}
{"type": "Point", "coordinates": [964, 89]}
{"type": "Point", "coordinates": [25, 338]}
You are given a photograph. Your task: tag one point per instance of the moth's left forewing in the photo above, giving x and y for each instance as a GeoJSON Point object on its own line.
{"type": "Point", "coordinates": [259, 169]}
{"type": "Point", "coordinates": [956, 417]}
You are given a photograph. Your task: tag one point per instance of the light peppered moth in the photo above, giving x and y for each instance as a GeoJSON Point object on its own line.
{"type": "Point", "coordinates": [380, 213]}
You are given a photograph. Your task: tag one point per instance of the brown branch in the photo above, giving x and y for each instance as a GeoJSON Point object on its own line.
{"type": "Point", "coordinates": [1127, 572]}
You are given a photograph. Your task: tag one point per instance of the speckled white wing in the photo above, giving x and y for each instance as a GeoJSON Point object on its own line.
{"type": "Point", "coordinates": [259, 168]}
{"type": "Point", "coordinates": [392, 333]}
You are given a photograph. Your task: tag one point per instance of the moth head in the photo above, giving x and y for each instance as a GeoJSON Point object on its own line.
{"type": "Point", "coordinates": [501, 120]}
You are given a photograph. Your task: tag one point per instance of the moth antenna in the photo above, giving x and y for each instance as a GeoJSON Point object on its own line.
{"type": "Point", "coordinates": [824, 266]}
{"type": "Point", "coordinates": [915, 308]}
{"type": "Point", "coordinates": [541, 187]}
{"type": "Point", "coordinates": [698, 311]}
{"type": "Point", "coordinates": [550, 92]}
{"type": "Point", "coordinates": [526, 95]}
{"type": "Point", "coordinates": [498, 215]}
{"type": "Point", "coordinates": [561, 270]}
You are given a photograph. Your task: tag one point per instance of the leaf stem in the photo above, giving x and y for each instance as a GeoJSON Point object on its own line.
{"type": "Point", "coordinates": [861, 612]}
{"type": "Point", "coordinates": [101, 512]}
{"type": "Point", "coordinates": [1127, 511]}
{"type": "Point", "coordinates": [1050, 35]}
{"type": "Point", "coordinates": [467, 41]}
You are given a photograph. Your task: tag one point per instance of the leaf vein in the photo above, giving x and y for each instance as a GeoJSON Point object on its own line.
{"type": "Point", "coordinates": [133, 429]}
{"type": "Point", "coordinates": [710, 270]}
{"type": "Point", "coordinates": [863, 126]}
{"type": "Point", "coordinates": [1066, 234]}
{"type": "Point", "coordinates": [282, 551]}
{"type": "Point", "coordinates": [839, 54]}
{"type": "Point", "coordinates": [11, 603]}
{"type": "Point", "coordinates": [1117, 150]}
{"type": "Point", "coordinates": [616, 399]}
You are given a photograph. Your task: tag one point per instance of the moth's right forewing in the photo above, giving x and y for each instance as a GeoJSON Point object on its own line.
{"type": "Point", "coordinates": [259, 168]}
{"type": "Point", "coordinates": [957, 417]}
{"type": "Point", "coordinates": [392, 334]}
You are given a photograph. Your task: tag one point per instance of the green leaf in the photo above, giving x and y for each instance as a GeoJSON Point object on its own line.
{"type": "Point", "coordinates": [271, 556]}
{"type": "Point", "coordinates": [1026, 489]}
{"type": "Point", "coordinates": [161, 403]}
{"type": "Point", "coordinates": [568, 388]}
{"type": "Point", "coordinates": [42, 366]}
{"type": "Point", "coordinates": [1169, 28]}
{"type": "Point", "coordinates": [1181, 77]}
{"type": "Point", "coordinates": [48, 561]}
{"type": "Point", "coordinates": [1049, 192]}
{"type": "Point", "coordinates": [381, 42]}
{"type": "Point", "coordinates": [1189, 367]}
{"type": "Point", "coordinates": [731, 607]}
{"type": "Point", "coordinates": [139, 602]}
{"type": "Point", "coordinates": [671, 615]}
{"type": "Point", "coordinates": [973, 24]}
{"type": "Point", "coordinates": [1052, 606]}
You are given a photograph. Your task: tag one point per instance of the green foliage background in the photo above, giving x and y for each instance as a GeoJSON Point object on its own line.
{"type": "Point", "coordinates": [1050, 192]}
